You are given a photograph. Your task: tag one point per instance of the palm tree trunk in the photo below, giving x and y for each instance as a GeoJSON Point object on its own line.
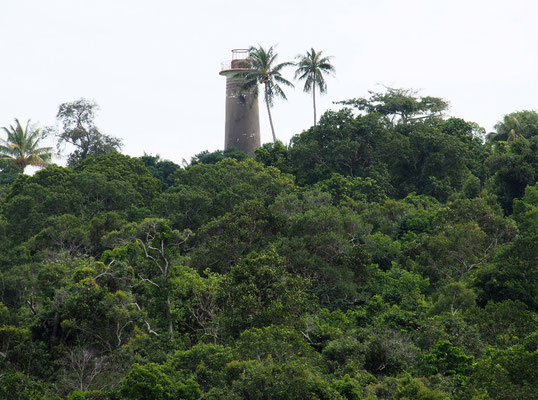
{"type": "Point", "coordinates": [269, 113]}
{"type": "Point", "coordinates": [314, 101]}
{"type": "Point", "coordinates": [21, 164]}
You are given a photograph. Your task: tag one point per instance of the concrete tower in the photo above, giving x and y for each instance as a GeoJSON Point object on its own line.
{"type": "Point", "coordinates": [242, 129]}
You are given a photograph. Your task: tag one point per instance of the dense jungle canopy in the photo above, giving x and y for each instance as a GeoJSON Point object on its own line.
{"type": "Point", "coordinates": [388, 252]}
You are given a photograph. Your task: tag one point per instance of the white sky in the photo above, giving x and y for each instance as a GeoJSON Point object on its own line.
{"type": "Point", "coordinates": [152, 66]}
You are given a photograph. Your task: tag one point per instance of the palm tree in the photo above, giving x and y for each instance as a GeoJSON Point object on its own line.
{"type": "Point", "coordinates": [263, 71]}
{"type": "Point", "coordinates": [311, 68]}
{"type": "Point", "coordinates": [516, 125]}
{"type": "Point", "coordinates": [22, 146]}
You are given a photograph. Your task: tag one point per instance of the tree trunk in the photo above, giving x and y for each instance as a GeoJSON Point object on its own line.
{"type": "Point", "coordinates": [269, 113]}
{"type": "Point", "coordinates": [314, 101]}
{"type": "Point", "coordinates": [169, 315]}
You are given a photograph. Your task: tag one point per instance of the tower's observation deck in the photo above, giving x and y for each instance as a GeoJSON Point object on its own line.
{"type": "Point", "coordinates": [239, 62]}
{"type": "Point", "coordinates": [242, 128]}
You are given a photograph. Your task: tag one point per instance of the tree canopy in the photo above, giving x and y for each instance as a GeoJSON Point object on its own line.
{"type": "Point", "coordinates": [388, 252]}
{"type": "Point", "coordinates": [79, 130]}
{"type": "Point", "coordinates": [22, 146]}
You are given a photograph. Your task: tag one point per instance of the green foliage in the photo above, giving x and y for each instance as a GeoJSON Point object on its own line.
{"type": "Point", "coordinates": [150, 382]}
{"type": "Point", "coordinates": [462, 237]}
{"type": "Point", "coordinates": [388, 352]}
{"type": "Point", "coordinates": [160, 169]}
{"type": "Point", "coordinates": [513, 166]}
{"type": "Point", "coordinates": [423, 153]}
{"type": "Point", "coordinates": [312, 68]}
{"type": "Point", "coordinates": [258, 292]}
{"type": "Point", "coordinates": [343, 353]}
{"type": "Point", "coordinates": [326, 325]}
{"type": "Point", "coordinates": [414, 389]}
{"type": "Point", "coordinates": [508, 374]}
{"type": "Point", "coordinates": [382, 248]}
{"type": "Point", "coordinates": [279, 343]}
{"type": "Point", "coordinates": [267, 379]}
{"type": "Point", "coordinates": [118, 167]}
{"type": "Point", "coordinates": [397, 287]}
{"type": "Point", "coordinates": [504, 324]}
{"type": "Point", "coordinates": [471, 186]}
{"type": "Point", "coordinates": [90, 395]}
{"type": "Point", "coordinates": [526, 211]}
{"type": "Point", "coordinates": [321, 242]}
{"type": "Point", "coordinates": [436, 163]}
{"type": "Point", "coordinates": [340, 143]}
{"type": "Point", "coordinates": [266, 72]}
{"type": "Point", "coordinates": [9, 171]}
{"type": "Point", "coordinates": [205, 191]}
{"type": "Point", "coordinates": [274, 155]}
{"type": "Point", "coordinates": [512, 275]}
{"type": "Point", "coordinates": [22, 146]}
{"type": "Point", "coordinates": [16, 385]}
{"type": "Point", "coordinates": [447, 359]}
{"type": "Point", "coordinates": [516, 125]}
{"type": "Point", "coordinates": [206, 157]}
{"type": "Point", "coordinates": [205, 361]}
{"type": "Point", "coordinates": [346, 189]}
{"type": "Point", "coordinates": [86, 311]}
{"type": "Point", "coordinates": [454, 297]}
{"type": "Point", "coordinates": [95, 188]}
{"type": "Point", "coordinates": [402, 265]}
{"type": "Point", "coordinates": [79, 130]}
{"type": "Point", "coordinates": [226, 239]}
{"type": "Point", "coordinates": [400, 105]}
{"type": "Point", "coordinates": [153, 248]}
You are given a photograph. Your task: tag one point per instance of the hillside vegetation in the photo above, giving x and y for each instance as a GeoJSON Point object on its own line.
{"type": "Point", "coordinates": [388, 252]}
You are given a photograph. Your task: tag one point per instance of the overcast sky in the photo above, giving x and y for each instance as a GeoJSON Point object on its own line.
{"type": "Point", "coordinates": [153, 66]}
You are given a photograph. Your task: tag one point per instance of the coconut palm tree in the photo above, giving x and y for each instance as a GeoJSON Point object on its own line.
{"type": "Point", "coordinates": [22, 146]}
{"type": "Point", "coordinates": [516, 125]}
{"type": "Point", "coordinates": [264, 71]}
{"type": "Point", "coordinates": [311, 68]}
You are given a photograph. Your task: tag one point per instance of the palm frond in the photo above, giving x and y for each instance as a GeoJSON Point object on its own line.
{"type": "Point", "coordinates": [283, 81]}
{"type": "Point", "coordinates": [265, 71]}
{"type": "Point", "coordinates": [22, 145]}
{"type": "Point", "coordinates": [279, 67]}
{"type": "Point", "coordinates": [311, 67]}
{"type": "Point", "coordinates": [279, 92]}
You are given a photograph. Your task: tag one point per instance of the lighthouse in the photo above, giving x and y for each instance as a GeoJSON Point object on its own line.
{"type": "Point", "coordinates": [242, 126]}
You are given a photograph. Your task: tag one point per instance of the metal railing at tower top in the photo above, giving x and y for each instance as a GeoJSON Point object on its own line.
{"type": "Point", "coordinates": [235, 64]}
{"type": "Point", "coordinates": [240, 54]}
{"type": "Point", "coordinates": [239, 60]}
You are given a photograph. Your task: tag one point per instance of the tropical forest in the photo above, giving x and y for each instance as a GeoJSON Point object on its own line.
{"type": "Point", "coordinates": [389, 251]}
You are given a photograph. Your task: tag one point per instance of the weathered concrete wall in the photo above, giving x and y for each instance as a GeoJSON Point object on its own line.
{"type": "Point", "coordinates": [242, 128]}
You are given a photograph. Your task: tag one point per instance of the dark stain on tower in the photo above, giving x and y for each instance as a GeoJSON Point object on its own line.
{"type": "Point", "coordinates": [242, 128]}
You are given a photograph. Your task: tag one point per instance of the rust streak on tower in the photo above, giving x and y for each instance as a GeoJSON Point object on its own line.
{"type": "Point", "coordinates": [242, 129]}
